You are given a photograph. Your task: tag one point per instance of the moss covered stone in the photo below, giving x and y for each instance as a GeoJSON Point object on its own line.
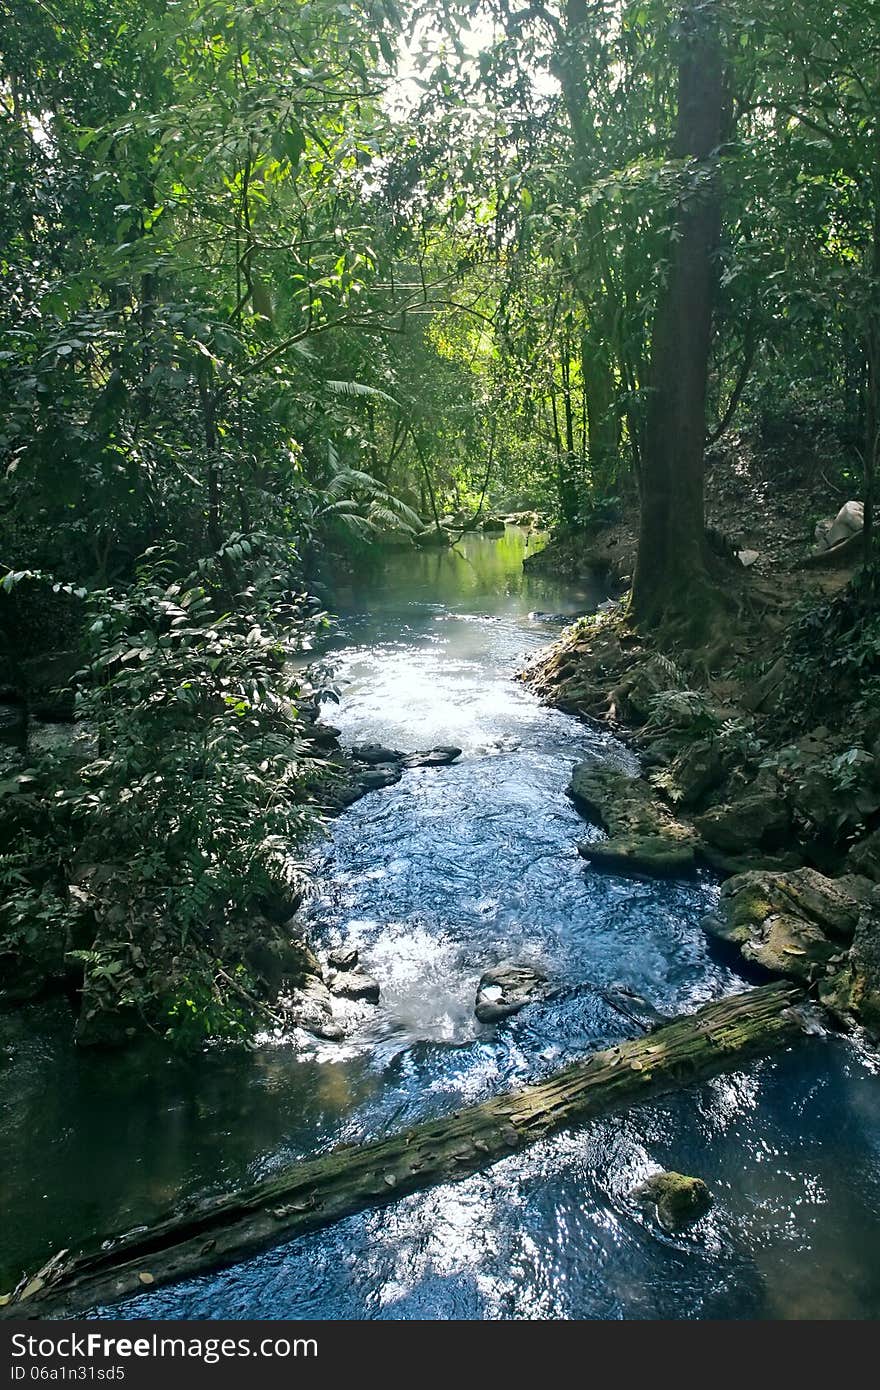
{"type": "Point", "coordinates": [644, 836]}
{"type": "Point", "coordinates": [678, 1200]}
{"type": "Point", "coordinates": [795, 924]}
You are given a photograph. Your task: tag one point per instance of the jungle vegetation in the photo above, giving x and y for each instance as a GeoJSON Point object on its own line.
{"type": "Point", "coordinates": [287, 281]}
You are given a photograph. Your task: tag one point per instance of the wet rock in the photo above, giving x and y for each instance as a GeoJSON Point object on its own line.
{"type": "Point", "coordinates": [324, 735]}
{"type": "Point", "coordinates": [381, 775]}
{"type": "Point", "coordinates": [760, 818]}
{"type": "Point", "coordinates": [506, 989]}
{"type": "Point", "coordinates": [644, 835]}
{"type": "Point", "coordinates": [492, 524]}
{"type": "Point", "coordinates": [345, 958]}
{"type": "Point", "coordinates": [563, 619]}
{"type": "Point", "coordinates": [374, 753]}
{"type": "Point", "coordinates": [677, 1199]}
{"type": "Point", "coordinates": [794, 924]}
{"type": "Point", "coordinates": [354, 984]}
{"type": "Point", "coordinates": [441, 756]}
{"type": "Point", "coordinates": [638, 854]}
{"type": "Point", "coordinates": [311, 1007]}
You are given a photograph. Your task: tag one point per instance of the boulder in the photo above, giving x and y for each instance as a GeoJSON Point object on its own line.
{"type": "Point", "coordinates": [492, 524]}
{"type": "Point", "coordinates": [441, 756]}
{"type": "Point", "coordinates": [848, 522]}
{"type": "Point", "coordinates": [344, 958]}
{"type": "Point", "coordinates": [382, 775]}
{"type": "Point", "coordinates": [864, 857]}
{"type": "Point", "coordinates": [324, 735]}
{"type": "Point", "coordinates": [855, 989]}
{"type": "Point", "coordinates": [311, 1007]}
{"type": "Point", "coordinates": [506, 989]}
{"type": "Point", "coordinates": [758, 819]}
{"type": "Point", "coordinates": [644, 835]}
{"type": "Point", "coordinates": [374, 753]}
{"type": "Point", "coordinates": [431, 537]}
{"type": "Point", "coordinates": [354, 984]}
{"type": "Point", "coordinates": [695, 770]}
{"type": "Point", "coordinates": [678, 1200]}
{"type": "Point", "coordinates": [797, 924]}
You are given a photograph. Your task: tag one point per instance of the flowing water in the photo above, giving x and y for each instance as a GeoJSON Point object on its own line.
{"type": "Point", "coordinates": [434, 880]}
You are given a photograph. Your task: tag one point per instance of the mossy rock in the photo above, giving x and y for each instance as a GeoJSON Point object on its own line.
{"type": "Point", "coordinates": [760, 819]}
{"type": "Point", "coordinates": [644, 835]}
{"type": "Point", "coordinates": [796, 924]}
{"type": "Point", "coordinates": [678, 1200]}
{"type": "Point", "coordinates": [855, 989]}
{"type": "Point", "coordinates": [634, 854]}
{"type": "Point", "coordinates": [693, 772]}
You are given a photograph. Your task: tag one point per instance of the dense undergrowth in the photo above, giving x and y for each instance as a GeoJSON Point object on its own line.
{"type": "Point", "coordinates": [154, 847]}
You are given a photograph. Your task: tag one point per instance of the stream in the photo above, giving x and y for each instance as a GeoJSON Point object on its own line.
{"type": "Point", "coordinates": [434, 880]}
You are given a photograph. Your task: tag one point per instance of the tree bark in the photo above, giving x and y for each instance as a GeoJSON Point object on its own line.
{"type": "Point", "coordinates": [672, 576]}
{"type": "Point", "coordinates": [323, 1190]}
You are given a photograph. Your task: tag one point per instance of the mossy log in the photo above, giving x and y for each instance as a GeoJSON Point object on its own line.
{"type": "Point", "coordinates": [319, 1191]}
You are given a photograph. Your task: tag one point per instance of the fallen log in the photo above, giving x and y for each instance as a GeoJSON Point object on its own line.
{"type": "Point", "coordinates": [319, 1191]}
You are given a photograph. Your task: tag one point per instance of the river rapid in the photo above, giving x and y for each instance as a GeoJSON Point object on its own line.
{"type": "Point", "coordinates": [434, 880]}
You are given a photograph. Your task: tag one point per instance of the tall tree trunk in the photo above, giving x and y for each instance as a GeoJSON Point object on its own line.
{"type": "Point", "coordinates": [672, 578]}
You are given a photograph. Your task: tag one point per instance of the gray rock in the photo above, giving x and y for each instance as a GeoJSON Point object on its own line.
{"type": "Point", "coordinates": [848, 522]}
{"type": "Point", "coordinates": [381, 775]}
{"type": "Point", "coordinates": [759, 818]}
{"type": "Point", "coordinates": [355, 984]}
{"type": "Point", "coordinates": [644, 835]}
{"type": "Point", "coordinates": [441, 756]}
{"type": "Point", "coordinates": [344, 958]}
{"type": "Point", "coordinates": [794, 923]}
{"type": "Point", "coordinates": [506, 989]}
{"type": "Point", "coordinates": [864, 857]}
{"type": "Point", "coordinates": [375, 753]}
{"type": "Point", "coordinates": [311, 1008]}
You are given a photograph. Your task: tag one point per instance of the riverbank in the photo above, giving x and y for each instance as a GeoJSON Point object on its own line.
{"type": "Point", "coordinates": [434, 880]}
{"type": "Point", "coordinates": [760, 756]}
